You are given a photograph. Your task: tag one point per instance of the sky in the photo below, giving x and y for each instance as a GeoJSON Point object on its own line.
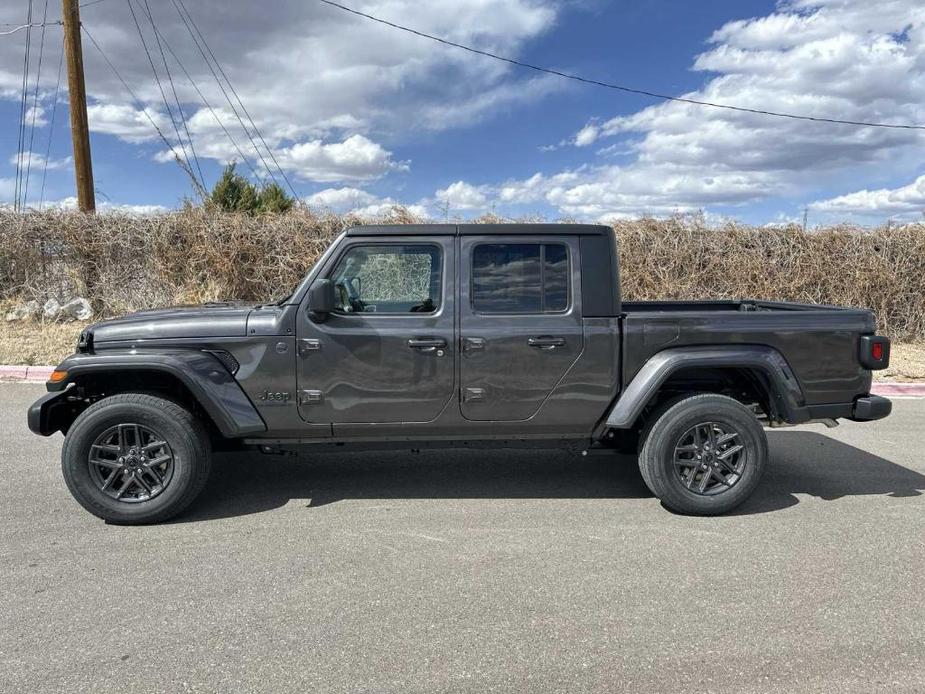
{"type": "Point", "coordinates": [361, 116]}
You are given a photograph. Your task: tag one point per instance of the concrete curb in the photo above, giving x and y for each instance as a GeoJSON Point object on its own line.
{"type": "Point", "coordinates": [25, 374]}
{"type": "Point", "coordinates": [906, 390]}
{"type": "Point", "coordinates": [39, 374]}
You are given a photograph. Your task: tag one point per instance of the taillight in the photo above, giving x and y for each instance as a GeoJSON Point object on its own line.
{"type": "Point", "coordinates": [874, 352]}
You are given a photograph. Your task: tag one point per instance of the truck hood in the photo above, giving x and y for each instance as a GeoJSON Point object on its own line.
{"type": "Point", "coordinates": [224, 319]}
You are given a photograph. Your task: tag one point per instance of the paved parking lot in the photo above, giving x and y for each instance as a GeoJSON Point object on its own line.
{"type": "Point", "coordinates": [498, 571]}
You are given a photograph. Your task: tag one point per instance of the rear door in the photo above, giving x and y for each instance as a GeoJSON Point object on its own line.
{"type": "Point", "coordinates": [386, 354]}
{"type": "Point", "coordinates": [520, 322]}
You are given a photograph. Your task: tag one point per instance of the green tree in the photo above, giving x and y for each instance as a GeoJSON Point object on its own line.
{"type": "Point", "coordinates": [234, 193]}
{"type": "Point", "coordinates": [273, 199]}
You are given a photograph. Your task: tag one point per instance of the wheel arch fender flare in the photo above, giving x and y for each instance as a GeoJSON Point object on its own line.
{"type": "Point", "coordinates": [785, 392]}
{"type": "Point", "coordinates": [204, 376]}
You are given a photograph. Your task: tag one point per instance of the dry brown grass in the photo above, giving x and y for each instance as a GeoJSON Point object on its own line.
{"type": "Point", "coordinates": [37, 342]}
{"type": "Point", "coordinates": [124, 263]}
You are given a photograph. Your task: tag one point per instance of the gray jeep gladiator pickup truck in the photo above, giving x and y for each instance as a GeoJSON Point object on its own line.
{"type": "Point", "coordinates": [459, 336]}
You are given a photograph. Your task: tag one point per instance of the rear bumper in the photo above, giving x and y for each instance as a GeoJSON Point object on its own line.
{"type": "Point", "coordinates": [864, 408]}
{"type": "Point", "coordinates": [870, 407]}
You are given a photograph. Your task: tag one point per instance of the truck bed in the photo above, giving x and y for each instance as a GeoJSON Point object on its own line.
{"type": "Point", "coordinates": [819, 342]}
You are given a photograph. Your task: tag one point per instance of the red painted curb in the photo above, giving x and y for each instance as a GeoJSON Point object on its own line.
{"type": "Point", "coordinates": [911, 390]}
{"type": "Point", "coordinates": [25, 374]}
{"type": "Point", "coordinates": [39, 374]}
{"type": "Point", "coordinates": [13, 373]}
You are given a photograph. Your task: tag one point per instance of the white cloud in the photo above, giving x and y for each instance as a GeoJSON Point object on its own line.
{"type": "Point", "coordinates": [38, 161]}
{"type": "Point", "coordinates": [341, 199]}
{"type": "Point", "coordinates": [38, 113]}
{"type": "Point", "coordinates": [849, 59]}
{"type": "Point", "coordinates": [360, 202]}
{"type": "Point", "coordinates": [325, 88]}
{"type": "Point", "coordinates": [356, 159]}
{"type": "Point", "coordinates": [903, 201]}
{"type": "Point", "coordinates": [70, 203]}
{"type": "Point", "coordinates": [104, 207]}
{"type": "Point", "coordinates": [587, 135]}
{"type": "Point", "coordinates": [462, 196]}
{"type": "Point", "coordinates": [126, 122]}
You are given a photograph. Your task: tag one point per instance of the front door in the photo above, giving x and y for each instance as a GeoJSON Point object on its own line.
{"type": "Point", "coordinates": [386, 354]}
{"type": "Point", "coordinates": [520, 323]}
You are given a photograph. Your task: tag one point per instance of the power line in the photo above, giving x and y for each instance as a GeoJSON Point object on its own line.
{"type": "Point", "coordinates": [35, 104]}
{"type": "Point", "coordinates": [157, 79]}
{"type": "Point", "coordinates": [22, 108]}
{"type": "Point", "coordinates": [241, 103]}
{"type": "Point", "coordinates": [20, 27]}
{"type": "Point", "coordinates": [138, 102]}
{"type": "Point", "coordinates": [176, 98]}
{"type": "Point", "coordinates": [619, 87]}
{"type": "Point", "coordinates": [51, 129]}
{"type": "Point", "coordinates": [187, 24]}
{"type": "Point", "coordinates": [209, 106]}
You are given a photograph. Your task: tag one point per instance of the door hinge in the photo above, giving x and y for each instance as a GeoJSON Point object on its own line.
{"type": "Point", "coordinates": [307, 345]}
{"type": "Point", "coordinates": [473, 395]}
{"type": "Point", "coordinates": [310, 397]}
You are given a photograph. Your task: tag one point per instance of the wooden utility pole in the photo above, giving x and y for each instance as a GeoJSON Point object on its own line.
{"type": "Point", "coordinates": [80, 130]}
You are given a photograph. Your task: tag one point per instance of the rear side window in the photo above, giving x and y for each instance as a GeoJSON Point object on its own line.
{"type": "Point", "coordinates": [520, 278]}
{"type": "Point", "coordinates": [388, 279]}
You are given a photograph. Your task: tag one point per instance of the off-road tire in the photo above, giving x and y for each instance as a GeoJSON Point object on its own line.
{"type": "Point", "coordinates": [188, 441]}
{"type": "Point", "coordinates": [663, 434]}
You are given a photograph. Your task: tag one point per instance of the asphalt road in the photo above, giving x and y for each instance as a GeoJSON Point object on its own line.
{"type": "Point", "coordinates": [475, 572]}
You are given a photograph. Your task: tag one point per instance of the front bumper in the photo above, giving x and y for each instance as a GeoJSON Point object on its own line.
{"type": "Point", "coordinates": [870, 407]}
{"type": "Point", "coordinates": [50, 412]}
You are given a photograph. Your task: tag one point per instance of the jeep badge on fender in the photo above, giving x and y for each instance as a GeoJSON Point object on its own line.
{"type": "Point", "coordinates": [270, 397]}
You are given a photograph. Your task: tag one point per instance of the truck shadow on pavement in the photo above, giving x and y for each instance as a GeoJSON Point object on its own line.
{"type": "Point", "coordinates": [807, 462]}
{"type": "Point", "coordinates": [801, 463]}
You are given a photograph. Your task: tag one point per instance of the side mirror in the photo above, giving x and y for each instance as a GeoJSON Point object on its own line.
{"type": "Point", "coordinates": [321, 300]}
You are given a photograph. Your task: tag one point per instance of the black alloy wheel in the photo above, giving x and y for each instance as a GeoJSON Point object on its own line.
{"type": "Point", "coordinates": [703, 454]}
{"type": "Point", "coordinates": [709, 458]}
{"type": "Point", "coordinates": [130, 462]}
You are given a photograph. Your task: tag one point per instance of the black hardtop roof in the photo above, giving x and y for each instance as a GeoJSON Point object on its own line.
{"type": "Point", "coordinates": [476, 229]}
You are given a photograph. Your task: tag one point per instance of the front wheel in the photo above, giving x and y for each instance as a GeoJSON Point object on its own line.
{"type": "Point", "coordinates": [135, 458]}
{"type": "Point", "coordinates": [703, 455]}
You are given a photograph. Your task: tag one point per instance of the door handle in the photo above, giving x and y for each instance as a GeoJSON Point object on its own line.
{"type": "Point", "coordinates": [427, 344]}
{"type": "Point", "coordinates": [473, 344]}
{"type": "Point", "coordinates": [307, 346]}
{"type": "Point", "coordinates": [546, 342]}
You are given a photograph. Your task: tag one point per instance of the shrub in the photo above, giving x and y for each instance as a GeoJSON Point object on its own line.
{"type": "Point", "coordinates": [123, 263]}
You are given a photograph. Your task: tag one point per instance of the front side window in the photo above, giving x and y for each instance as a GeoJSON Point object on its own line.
{"type": "Point", "coordinates": [388, 279]}
{"type": "Point", "coordinates": [520, 278]}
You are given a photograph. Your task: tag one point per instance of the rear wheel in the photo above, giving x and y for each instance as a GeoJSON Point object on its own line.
{"type": "Point", "coordinates": [134, 458]}
{"type": "Point", "coordinates": [703, 455]}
